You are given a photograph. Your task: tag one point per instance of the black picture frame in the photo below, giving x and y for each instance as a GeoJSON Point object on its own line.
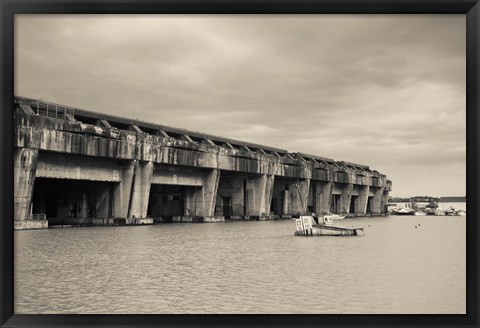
{"type": "Point", "coordinates": [471, 8]}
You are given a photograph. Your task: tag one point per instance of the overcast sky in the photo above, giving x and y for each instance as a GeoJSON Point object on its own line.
{"type": "Point", "coordinates": [386, 91]}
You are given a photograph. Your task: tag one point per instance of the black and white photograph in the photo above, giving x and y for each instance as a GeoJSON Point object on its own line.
{"type": "Point", "coordinates": [240, 164]}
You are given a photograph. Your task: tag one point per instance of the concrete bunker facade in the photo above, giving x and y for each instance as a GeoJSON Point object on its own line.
{"type": "Point", "coordinates": [74, 166]}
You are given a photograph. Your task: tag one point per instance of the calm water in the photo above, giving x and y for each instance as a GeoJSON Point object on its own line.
{"type": "Point", "coordinates": [244, 267]}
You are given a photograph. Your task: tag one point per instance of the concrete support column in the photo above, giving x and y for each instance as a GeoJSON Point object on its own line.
{"type": "Point", "coordinates": [255, 194]}
{"type": "Point", "coordinates": [259, 195]}
{"type": "Point", "coordinates": [286, 201]}
{"type": "Point", "coordinates": [346, 198]}
{"type": "Point", "coordinates": [123, 191]}
{"type": "Point", "coordinates": [147, 174]}
{"type": "Point", "coordinates": [25, 168]}
{"type": "Point", "coordinates": [269, 193]}
{"type": "Point", "coordinates": [317, 196]}
{"type": "Point", "coordinates": [326, 196]}
{"type": "Point", "coordinates": [209, 189]}
{"type": "Point", "coordinates": [384, 201]}
{"type": "Point", "coordinates": [363, 199]}
{"type": "Point", "coordinates": [299, 196]}
{"type": "Point", "coordinates": [141, 189]}
{"type": "Point", "coordinates": [377, 200]}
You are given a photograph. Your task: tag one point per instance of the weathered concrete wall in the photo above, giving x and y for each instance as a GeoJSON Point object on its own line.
{"type": "Point", "coordinates": [268, 194]}
{"type": "Point", "coordinates": [193, 205]}
{"type": "Point", "coordinates": [377, 200]}
{"type": "Point", "coordinates": [123, 190]}
{"type": "Point", "coordinates": [326, 197]}
{"type": "Point", "coordinates": [298, 196]}
{"type": "Point", "coordinates": [209, 190]}
{"type": "Point", "coordinates": [209, 174]}
{"type": "Point", "coordinates": [337, 189]}
{"type": "Point", "coordinates": [71, 167]}
{"type": "Point", "coordinates": [355, 190]}
{"type": "Point", "coordinates": [363, 199]}
{"type": "Point", "coordinates": [171, 175]}
{"type": "Point", "coordinates": [346, 198]}
{"type": "Point", "coordinates": [319, 196]}
{"type": "Point", "coordinates": [83, 139]}
{"type": "Point", "coordinates": [259, 195]}
{"type": "Point", "coordinates": [142, 180]}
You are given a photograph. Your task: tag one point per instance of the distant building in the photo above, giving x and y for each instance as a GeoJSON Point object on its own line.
{"type": "Point", "coordinates": [457, 203]}
{"type": "Point", "coordinates": [397, 203]}
{"type": "Point", "coordinates": [422, 202]}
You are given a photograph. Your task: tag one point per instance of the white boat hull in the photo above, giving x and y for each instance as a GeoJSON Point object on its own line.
{"type": "Point", "coordinates": [306, 226]}
{"type": "Point", "coordinates": [330, 231]}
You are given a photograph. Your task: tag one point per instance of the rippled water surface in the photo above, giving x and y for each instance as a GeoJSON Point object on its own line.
{"type": "Point", "coordinates": [244, 267]}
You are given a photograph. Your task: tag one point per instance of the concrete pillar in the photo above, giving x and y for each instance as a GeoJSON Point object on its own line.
{"type": "Point", "coordinates": [346, 198]}
{"type": "Point", "coordinates": [363, 199]}
{"type": "Point", "coordinates": [147, 174]}
{"type": "Point", "coordinates": [384, 201]}
{"type": "Point", "coordinates": [286, 202]}
{"type": "Point", "coordinates": [299, 196]}
{"type": "Point", "coordinates": [377, 200]}
{"type": "Point", "coordinates": [326, 196]}
{"type": "Point", "coordinates": [269, 193]}
{"type": "Point", "coordinates": [209, 193]}
{"type": "Point", "coordinates": [254, 190]}
{"type": "Point", "coordinates": [142, 182]}
{"type": "Point", "coordinates": [259, 195]}
{"type": "Point", "coordinates": [123, 190]}
{"type": "Point", "coordinates": [317, 196]}
{"type": "Point", "coordinates": [25, 168]}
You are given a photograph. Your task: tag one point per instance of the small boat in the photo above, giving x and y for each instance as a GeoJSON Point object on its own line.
{"type": "Point", "coordinates": [431, 208]}
{"type": "Point", "coordinates": [461, 213]}
{"type": "Point", "coordinates": [439, 212]}
{"type": "Point", "coordinates": [307, 226]}
{"type": "Point", "coordinates": [451, 212]}
{"type": "Point", "coordinates": [402, 211]}
{"type": "Point", "coordinates": [420, 213]}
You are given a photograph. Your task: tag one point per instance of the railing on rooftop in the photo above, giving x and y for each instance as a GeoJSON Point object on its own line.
{"type": "Point", "coordinates": [48, 109]}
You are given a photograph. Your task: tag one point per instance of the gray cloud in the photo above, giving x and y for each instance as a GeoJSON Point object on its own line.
{"type": "Point", "coordinates": [384, 90]}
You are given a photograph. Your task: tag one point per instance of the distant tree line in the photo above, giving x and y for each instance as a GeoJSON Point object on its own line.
{"type": "Point", "coordinates": [416, 199]}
